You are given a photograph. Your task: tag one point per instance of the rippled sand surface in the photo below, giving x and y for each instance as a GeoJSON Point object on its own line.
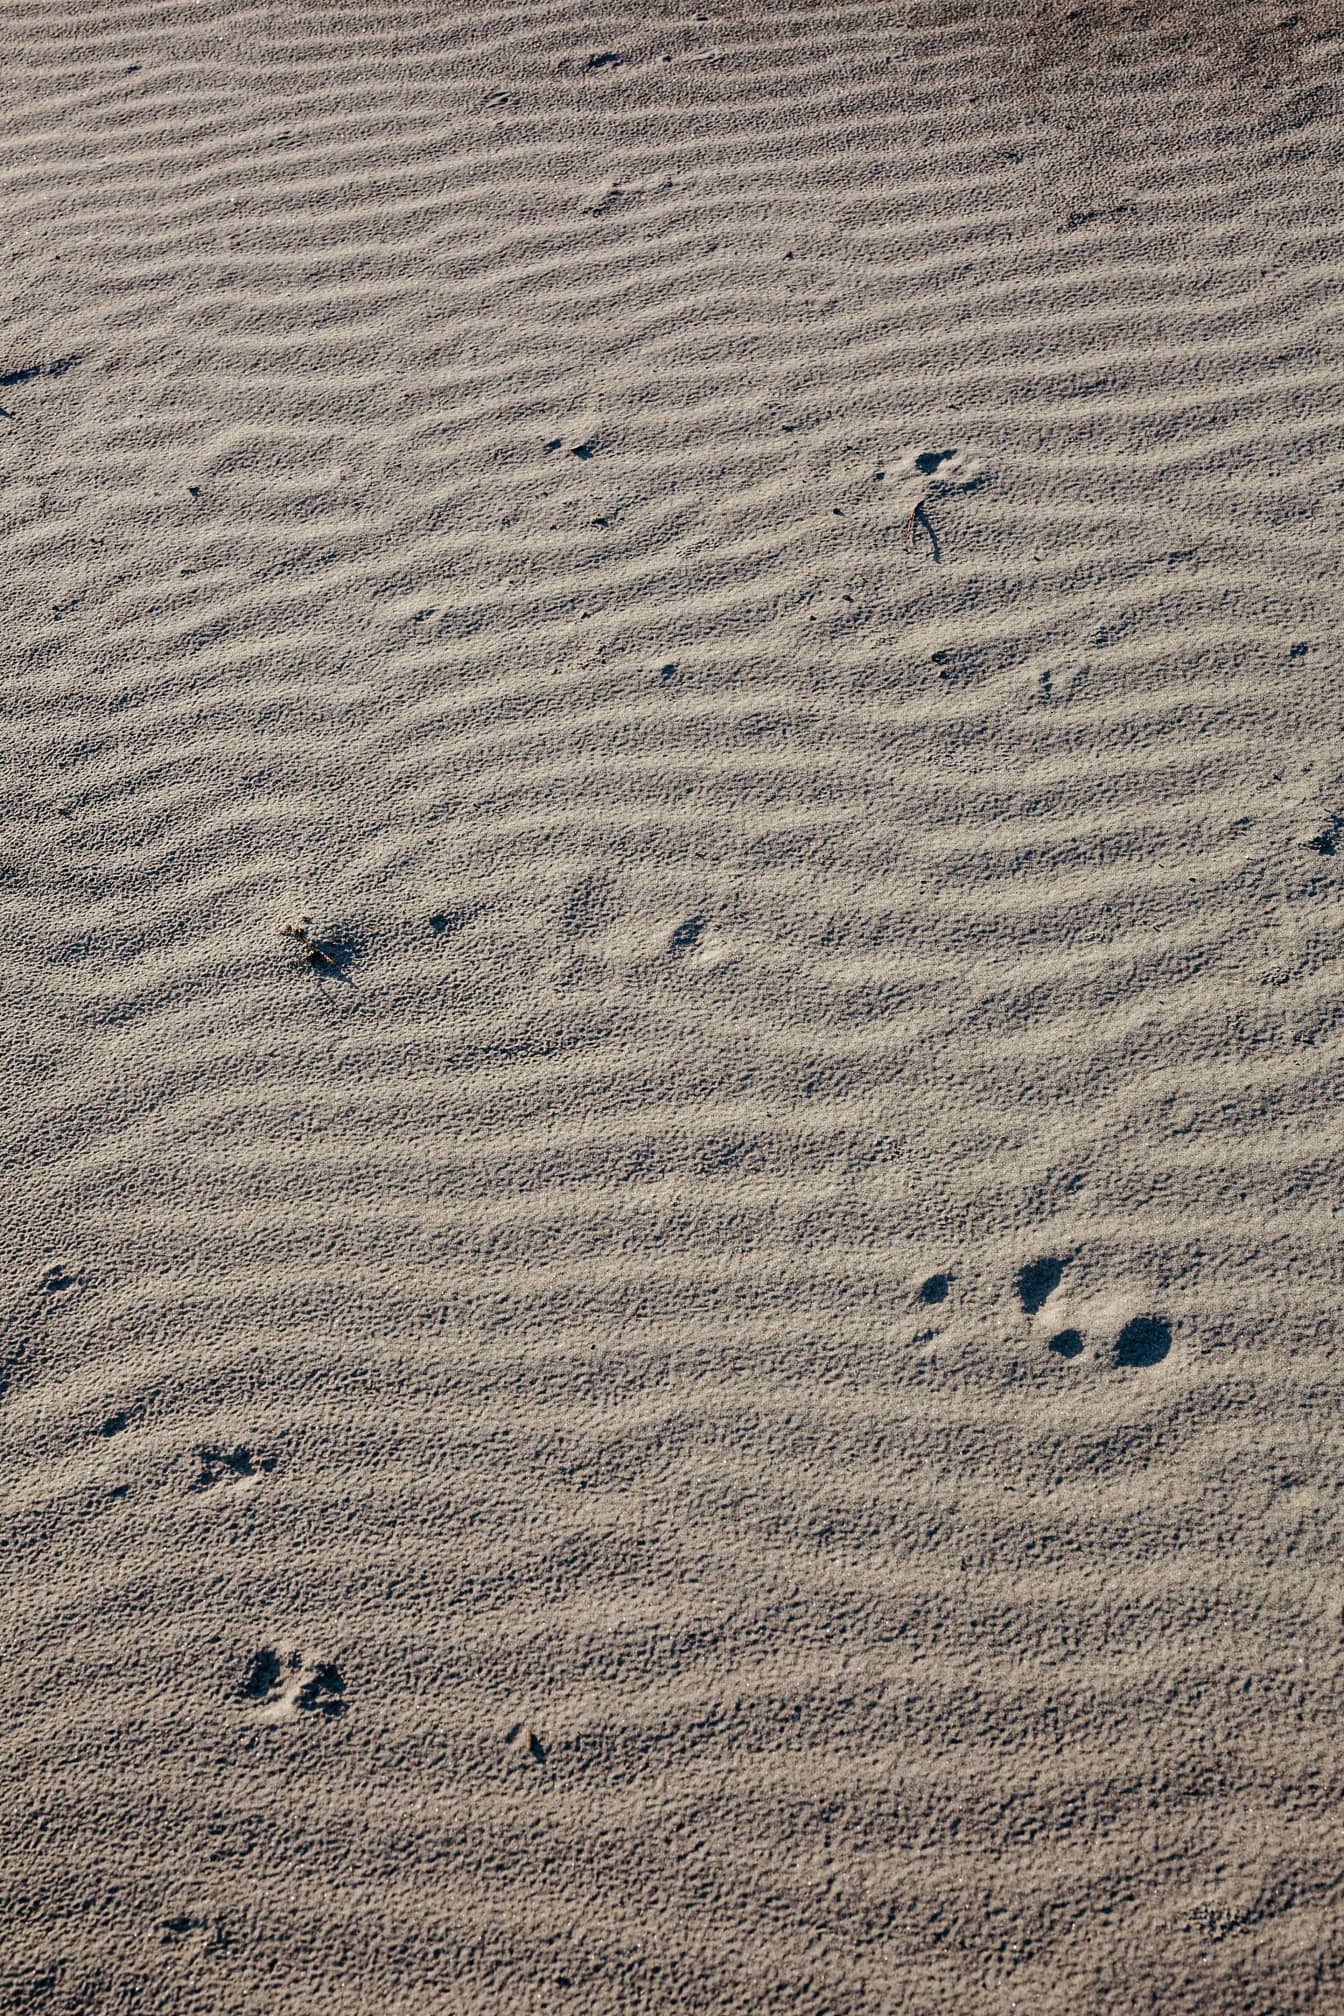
{"type": "Point", "coordinates": [716, 1387]}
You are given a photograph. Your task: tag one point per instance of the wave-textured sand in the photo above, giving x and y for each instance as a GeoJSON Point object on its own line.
{"type": "Point", "coordinates": [733, 1404]}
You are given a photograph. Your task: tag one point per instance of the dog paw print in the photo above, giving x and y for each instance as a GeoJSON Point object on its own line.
{"type": "Point", "coordinates": [698, 941]}
{"type": "Point", "coordinates": [192, 1929]}
{"type": "Point", "coordinates": [284, 1685]}
{"type": "Point", "coordinates": [952, 468]}
{"type": "Point", "coordinates": [1037, 1282]}
{"type": "Point", "coordinates": [56, 1285]}
{"type": "Point", "coordinates": [1144, 1341]}
{"type": "Point", "coordinates": [321, 1690]}
{"type": "Point", "coordinates": [585, 450]}
{"type": "Point", "coordinates": [1141, 1342]}
{"type": "Point", "coordinates": [1327, 838]}
{"type": "Point", "coordinates": [239, 1468]}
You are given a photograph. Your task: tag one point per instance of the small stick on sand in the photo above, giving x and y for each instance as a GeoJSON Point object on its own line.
{"type": "Point", "coordinates": [312, 949]}
{"type": "Point", "coordinates": [912, 524]}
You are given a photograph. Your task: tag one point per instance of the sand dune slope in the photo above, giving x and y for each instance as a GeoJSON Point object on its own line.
{"type": "Point", "coordinates": [733, 1402]}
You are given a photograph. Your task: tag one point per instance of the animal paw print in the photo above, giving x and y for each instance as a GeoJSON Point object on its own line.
{"type": "Point", "coordinates": [1144, 1340]}
{"type": "Point", "coordinates": [1141, 1342]}
{"type": "Point", "coordinates": [1037, 1282]}
{"type": "Point", "coordinates": [57, 1285]}
{"type": "Point", "coordinates": [200, 1934]}
{"type": "Point", "coordinates": [239, 1467]}
{"type": "Point", "coordinates": [285, 1685]}
{"type": "Point", "coordinates": [697, 941]}
{"type": "Point", "coordinates": [1326, 840]}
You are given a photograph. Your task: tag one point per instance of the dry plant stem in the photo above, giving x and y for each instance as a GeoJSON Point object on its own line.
{"type": "Point", "coordinates": [312, 950]}
{"type": "Point", "coordinates": [912, 525]}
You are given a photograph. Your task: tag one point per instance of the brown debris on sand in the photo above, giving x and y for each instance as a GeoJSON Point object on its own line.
{"type": "Point", "coordinates": [312, 951]}
{"type": "Point", "coordinates": [525, 1744]}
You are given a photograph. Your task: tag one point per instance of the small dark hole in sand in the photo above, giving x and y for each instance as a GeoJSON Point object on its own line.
{"type": "Point", "coordinates": [321, 1691]}
{"type": "Point", "coordinates": [1037, 1282]}
{"type": "Point", "coordinates": [1067, 1344]}
{"type": "Point", "coordinates": [686, 935]}
{"type": "Point", "coordinates": [929, 463]}
{"type": "Point", "coordinates": [113, 1424]}
{"type": "Point", "coordinates": [935, 1288]}
{"type": "Point", "coordinates": [263, 1675]}
{"type": "Point", "coordinates": [1144, 1341]}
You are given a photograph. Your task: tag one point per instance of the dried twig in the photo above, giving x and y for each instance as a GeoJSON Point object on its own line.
{"type": "Point", "coordinates": [312, 949]}
{"type": "Point", "coordinates": [912, 524]}
{"type": "Point", "coordinates": [525, 1743]}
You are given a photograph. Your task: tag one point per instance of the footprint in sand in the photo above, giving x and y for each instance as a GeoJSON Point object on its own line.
{"type": "Point", "coordinates": [950, 467]}
{"type": "Point", "coordinates": [1326, 839]}
{"type": "Point", "coordinates": [57, 1285]}
{"type": "Point", "coordinates": [697, 941]}
{"type": "Point", "coordinates": [594, 926]}
{"type": "Point", "coordinates": [1037, 1281]}
{"type": "Point", "coordinates": [239, 1468]}
{"type": "Point", "coordinates": [194, 1930]}
{"type": "Point", "coordinates": [687, 936]}
{"type": "Point", "coordinates": [962, 665]}
{"type": "Point", "coordinates": [1145, 1340]}
{"type": "Point", "coordinates": [585, 449]}
{"type": "Point", "coordinates": [283, 1686]}
{"type": "Point", "coordinates": [1141, 1342]}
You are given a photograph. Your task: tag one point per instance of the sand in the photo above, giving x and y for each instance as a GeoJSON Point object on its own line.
{"type": "Point", "coordinates": [730, 1401]}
